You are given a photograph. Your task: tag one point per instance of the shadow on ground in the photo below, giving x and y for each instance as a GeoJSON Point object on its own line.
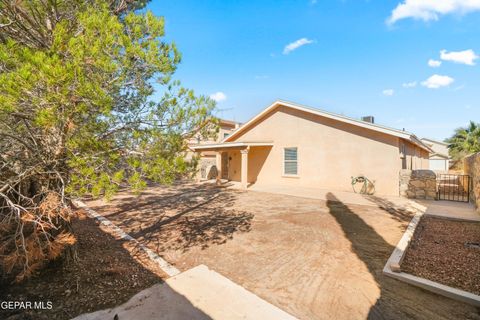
{"type": "Point", "coordinates": [373, 251]}
{"type": "Point", "coordinates": [106, 275]}
{"type": "Point", "coordinates": [179, 218]}
{"type": "Point", "coordinates": [397, 212]}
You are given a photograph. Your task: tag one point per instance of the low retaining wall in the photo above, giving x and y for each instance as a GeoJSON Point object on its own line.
{"type": "Point", "coordinates": [471, 166]}
{"type": "Point", "coordinates": [418, 184]}
{"type": "Point", "coordinates": [393, 269]}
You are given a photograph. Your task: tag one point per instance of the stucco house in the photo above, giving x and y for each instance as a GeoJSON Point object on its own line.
{"type": "Point", "coordinates": [294, 145]}
{"type": "Point", "coordinates": [439, 159]}
{"type": "Point", "coordinates": [207, 158]}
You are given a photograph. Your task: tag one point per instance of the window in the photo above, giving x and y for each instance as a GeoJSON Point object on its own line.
{"type": "Point", "coordinates": [225, 134]}
{"type": "Point", "coordinates": [290, 161]}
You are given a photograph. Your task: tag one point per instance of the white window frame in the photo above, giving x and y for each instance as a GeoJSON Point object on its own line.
{"type": "Point", "coordinates": [283, 164]}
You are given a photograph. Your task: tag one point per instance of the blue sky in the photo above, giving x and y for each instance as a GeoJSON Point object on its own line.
{"type": "Point", "coordinates": [356, 59]}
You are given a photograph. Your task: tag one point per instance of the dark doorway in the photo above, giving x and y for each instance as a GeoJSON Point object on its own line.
{"type": "Point", "coordinates": [225, 165]}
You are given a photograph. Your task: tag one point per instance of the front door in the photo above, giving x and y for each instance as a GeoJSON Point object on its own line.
{"type": "Point", "coordinates": [225, 165]}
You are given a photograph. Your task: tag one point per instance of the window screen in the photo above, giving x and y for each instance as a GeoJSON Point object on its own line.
{"type": "Point", "coordinates": [290, 160]}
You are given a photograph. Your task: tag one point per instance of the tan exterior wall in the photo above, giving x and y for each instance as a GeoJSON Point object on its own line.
{"type": "Point", "coordinates": [414, 158]}
{"type": "Point", "coordinates": [223, 130]}
{"type": "Point", "coordinates": [207, 158]}
{"type": "Point", "coordinates": [330, 152]}
{"type": "Point", "coordinates": [256, 160]}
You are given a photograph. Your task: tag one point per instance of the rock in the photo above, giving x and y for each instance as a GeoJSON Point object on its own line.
{"type": "Point", "coordinates": [420, 194]}
{"type": "Point", "coordinates": [418, 184]}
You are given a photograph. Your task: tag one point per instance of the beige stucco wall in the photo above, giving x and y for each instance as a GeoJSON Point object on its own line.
{"type": "Point", "coordinates": [415, 158]}
{"type": "Point", "coordinates": [222, 130]}
{"type": "Point", "coordinates": [207, 158]}
{"type": "Point", "coordinates": [330, 152]}
{"type": "Point", "coordinates": [256, 160]}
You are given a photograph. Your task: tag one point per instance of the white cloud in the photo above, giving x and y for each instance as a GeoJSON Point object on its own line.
{"type": "Point", "coordinates": [410, 84]}
{"type": "Point", "coordinates": [467, 57]}
{"type": "Point", "coordinates": [437, 81]}
{"type": "Point", "coordinates": [218, 96]}
{"type": "Point", "coordinates": [434, 63]}
{"type": "Point", "coordinates": [388, 92]}
{"type": "Point", "coordinates": [296, 44]}
{"type": "Point", "coordinates": [431, 9]}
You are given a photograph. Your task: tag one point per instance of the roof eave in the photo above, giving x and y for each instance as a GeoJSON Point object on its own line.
{"type": "Point", "coordinates": [226, 145]}
{"type": "Point", "coordinates": [398, 133]}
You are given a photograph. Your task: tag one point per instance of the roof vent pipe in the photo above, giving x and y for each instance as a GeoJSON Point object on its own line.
{"type": "Point", "coordinates": [370, 119]}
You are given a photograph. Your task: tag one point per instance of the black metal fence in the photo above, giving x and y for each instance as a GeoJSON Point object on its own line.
{"type": "Point", "coordinates": [453, 187]}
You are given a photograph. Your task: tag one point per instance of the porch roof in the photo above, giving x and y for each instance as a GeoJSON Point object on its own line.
{"type": "Point", "coordinates": [231, 145]}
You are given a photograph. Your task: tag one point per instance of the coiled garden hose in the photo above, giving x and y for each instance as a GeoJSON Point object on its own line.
{"type": "Point", "coordinates": [368, 187]}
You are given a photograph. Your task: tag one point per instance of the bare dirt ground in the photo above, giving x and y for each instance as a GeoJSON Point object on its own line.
{"type": "Point", "coordinates": [447, 252]}
{"type": "Point", "coordinates": [105, 276]}
{"type": "Point", "coordinates": [314, 259]}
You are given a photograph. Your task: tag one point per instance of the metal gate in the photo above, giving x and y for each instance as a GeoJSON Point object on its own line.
{"type": "Point", "coordinates": [453, 187]}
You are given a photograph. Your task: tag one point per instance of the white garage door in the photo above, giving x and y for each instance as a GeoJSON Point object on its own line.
{"type": "Point", "coordinates": [438, 165]}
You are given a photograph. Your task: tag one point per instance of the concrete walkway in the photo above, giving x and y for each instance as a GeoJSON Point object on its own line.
{"type": "Point", "coordinates": [450, 209]}
{"type": "Point", "coordinates": [198, 293]}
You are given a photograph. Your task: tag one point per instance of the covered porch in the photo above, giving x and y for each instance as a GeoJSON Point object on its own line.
{"type": "Point", "coordinates": [238, 161]}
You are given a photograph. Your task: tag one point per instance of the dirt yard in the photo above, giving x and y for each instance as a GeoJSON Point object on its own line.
{"type": "Point", "coordinates": [314, 259]}
{"type": "Point", "coordinates": [447, 252]}
{"type": "Point", "coordinates": [105, 276]}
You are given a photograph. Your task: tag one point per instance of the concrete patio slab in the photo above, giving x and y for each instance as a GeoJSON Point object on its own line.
{"type": "Point", "coordinates": [198, 293]}
{"type": "Point", "coordinates": [443, 208]}
{"type": "Point", "coordinates": [306, 256]}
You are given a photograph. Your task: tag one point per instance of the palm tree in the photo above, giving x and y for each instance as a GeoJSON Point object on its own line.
{"type": "Point", "coordinates": [465, 141]}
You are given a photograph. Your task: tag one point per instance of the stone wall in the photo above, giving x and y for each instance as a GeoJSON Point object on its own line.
{"type": "Point", "coordinates": [471, 166]}
{"type": "Point", "coordinates": [207, 169]}
{"type": "Point", "coordinates": [418, 184]}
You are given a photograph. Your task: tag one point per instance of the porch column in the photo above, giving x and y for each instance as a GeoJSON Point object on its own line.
{"type": "Point", "coordinates": [244, 169]}
{"type": "Point", "coordinates": [218, 164]}
{"type": "Point", "coordinates": [199, 172]}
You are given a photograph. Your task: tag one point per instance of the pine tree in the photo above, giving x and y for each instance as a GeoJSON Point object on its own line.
{"type": "Point", "coordinates": [78, 116]}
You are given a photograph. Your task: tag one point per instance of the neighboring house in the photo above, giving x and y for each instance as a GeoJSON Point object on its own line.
{"type": "Point", "coordinates": [293, 145]}
{"type": "Point", "coordinates": [439, 159]}
{"type": "Point", "coordinates": [207, 158]}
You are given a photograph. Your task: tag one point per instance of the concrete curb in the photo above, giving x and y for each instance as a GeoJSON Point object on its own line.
{"type": "Point", "coordinates": [162, 264]}
{"type": "Point", "coordinates": [392, 268]}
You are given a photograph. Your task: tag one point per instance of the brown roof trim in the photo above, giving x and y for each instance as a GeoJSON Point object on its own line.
{"type": "Point", "coordinates": [375, 127]}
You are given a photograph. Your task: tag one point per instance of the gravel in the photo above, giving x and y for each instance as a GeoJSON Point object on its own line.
{"type": "Point", "coordinates": [446, 251]}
